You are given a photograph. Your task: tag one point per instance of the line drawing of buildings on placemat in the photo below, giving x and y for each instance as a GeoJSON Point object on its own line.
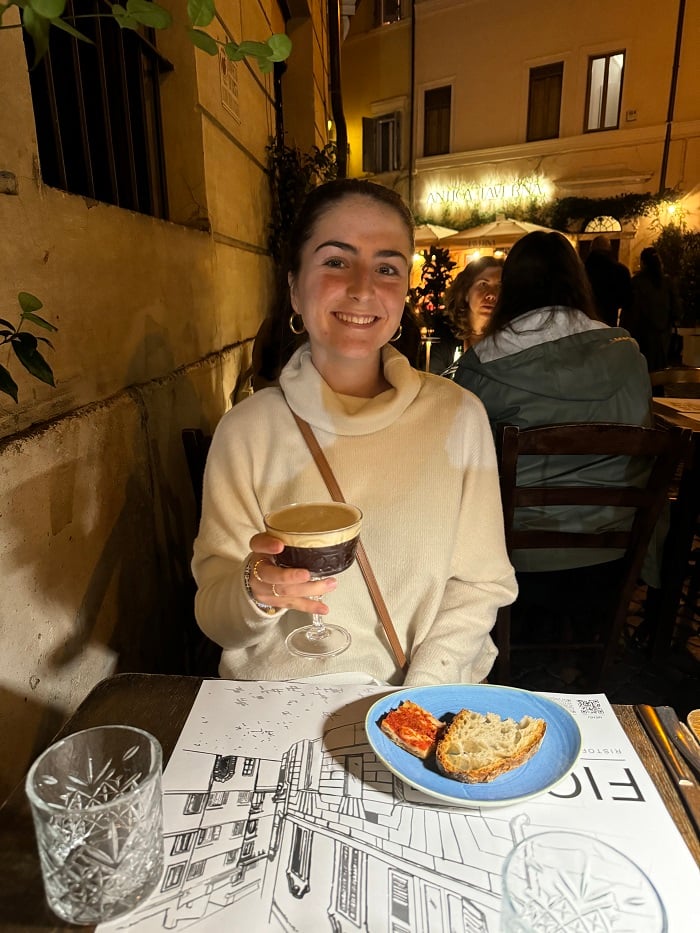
{"type": "Point", "coordinates": [320, 835]}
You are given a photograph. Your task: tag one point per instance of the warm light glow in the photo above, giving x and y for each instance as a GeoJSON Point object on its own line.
{"type": "Point", "coordinates": [475, 254]}
{"type": "Point", "coordinates": [498, 254]}
{"type": "Point", "coordinates": [671, 208]}
{"type": "Point", "coordinates": [458, 194]}
{"type": "Point", "coordinates": [418, 258]}
{"type": "Point", "coordinates": [330, 125]}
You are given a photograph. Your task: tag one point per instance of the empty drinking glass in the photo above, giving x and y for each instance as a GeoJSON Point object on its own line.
{"type": "Point", "coordinates": [97, 808]}
{"type": "Point", "coordinates": [567, 882]}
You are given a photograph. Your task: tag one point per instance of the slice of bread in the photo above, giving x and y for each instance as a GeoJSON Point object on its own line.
{"type": "Point", "coordinates": [412, 728]}
{"type": "Point", "coordinates": [476, 748]}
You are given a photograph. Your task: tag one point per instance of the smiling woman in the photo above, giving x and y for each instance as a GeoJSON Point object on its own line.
{"type": "Point", "coordinates": [411, 450]}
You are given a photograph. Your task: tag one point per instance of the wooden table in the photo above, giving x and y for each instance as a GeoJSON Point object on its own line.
{"type": "Point", "coordinates": [160, 705]}
{"type": "Point", "coordinates": [684, 517]}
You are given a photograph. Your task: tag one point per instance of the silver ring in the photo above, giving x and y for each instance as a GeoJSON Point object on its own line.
{"type": "Point", "coordinates": [274, 592]}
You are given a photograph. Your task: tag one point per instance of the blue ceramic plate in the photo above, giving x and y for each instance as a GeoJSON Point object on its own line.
{"type": "Point", "coordinates": [554, 760]}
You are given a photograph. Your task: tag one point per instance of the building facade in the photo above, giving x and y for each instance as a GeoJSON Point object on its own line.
{"type": "Point", "coordinates": [475, 111]}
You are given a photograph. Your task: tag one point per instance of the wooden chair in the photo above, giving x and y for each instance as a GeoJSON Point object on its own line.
{"type": "Point", "coordinates": [661, 450]}
{"type": "Point", "coordinates": [201, 654]}
{"type": "Point", "coordinates": [196, 445]}
{"type": "Point", "coordinates": [676, 381]}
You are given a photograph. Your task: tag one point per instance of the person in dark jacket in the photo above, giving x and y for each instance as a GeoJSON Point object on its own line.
{"type": "Point", "coordinates": [610, 281]}
{"type": "Point", "coordinates": [654, 310]}
{"type": "Point", "coordinates": [547, 359]}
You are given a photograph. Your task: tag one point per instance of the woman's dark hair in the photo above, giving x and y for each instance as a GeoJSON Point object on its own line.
{"type": "Point", "coordinates": [275, 343]}
{"type": "Point", "coordinates": [456, 303]}
{"type": "Point", "coordinates": [541, 270]}
{"type": "Point", "coordinates": [650, 262]}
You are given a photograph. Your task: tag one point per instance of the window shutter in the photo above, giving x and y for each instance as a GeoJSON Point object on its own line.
{"type": "Point", "coordinates": [369, 145]}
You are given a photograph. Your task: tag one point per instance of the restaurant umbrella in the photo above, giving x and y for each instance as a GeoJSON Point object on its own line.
{"type": "Point", "coordinates": [503, 231]}
{"type": "Point", "coordinates": [427, 234]}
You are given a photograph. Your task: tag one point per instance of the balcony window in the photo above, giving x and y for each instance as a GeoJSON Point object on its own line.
{"type": "Point", "coordinates": [381, 143]}
{"type": "Point", "coordinates": [605, 73]}
{"type": "Point", "coordinates": [544, 101]}
{"type": "Point", "coordinates": [97, 112]}
{"type": "Point", "coordinates": [436, 124]}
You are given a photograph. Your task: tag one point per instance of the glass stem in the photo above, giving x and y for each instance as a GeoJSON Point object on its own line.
{"type": "Point", "coordinates": [319, 630]}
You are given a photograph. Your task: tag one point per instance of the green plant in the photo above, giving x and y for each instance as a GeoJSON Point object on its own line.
{"type": "Point", "coordinates": [25, 344]}
{"type": "Point", "coordinates": [292, 175]}
{"type": "Point", "coordinates": [434, 279]}
{"type": "Point", "coordinates": [680, 254]}
{"type": "Point", "coordinates": [564, 211]}
{"type": "Point", "coordinates": [38, 16]}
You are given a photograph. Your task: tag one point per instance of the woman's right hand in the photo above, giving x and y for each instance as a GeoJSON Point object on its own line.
{"type": "Point", "coordinates": [284, 587]}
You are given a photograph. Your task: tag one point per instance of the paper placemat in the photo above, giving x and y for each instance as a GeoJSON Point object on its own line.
{"type": "Point", "coordinates": [278, 816]}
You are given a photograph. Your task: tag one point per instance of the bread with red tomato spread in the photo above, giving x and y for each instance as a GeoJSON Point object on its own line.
{"type": "Point", "coordinates": [412, 728]}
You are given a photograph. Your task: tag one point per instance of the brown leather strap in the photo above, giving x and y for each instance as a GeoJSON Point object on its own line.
{"type": "Point", "coordinates": [362, 559]}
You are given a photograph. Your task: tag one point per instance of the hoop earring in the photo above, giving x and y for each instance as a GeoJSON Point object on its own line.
{"type": "Point", "coordinates": [297, 331]}
{"type": "Point", "coordinates": [397, 335]}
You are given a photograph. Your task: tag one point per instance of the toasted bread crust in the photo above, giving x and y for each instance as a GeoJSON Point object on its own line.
{"type": "Point", "coordinates": [463, 764]}
{"type": "Point", "coordinates": [412, 728]}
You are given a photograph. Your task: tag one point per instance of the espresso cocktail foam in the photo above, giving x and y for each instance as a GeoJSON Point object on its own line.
{"type": "Point", "coordinates": [314, 524]}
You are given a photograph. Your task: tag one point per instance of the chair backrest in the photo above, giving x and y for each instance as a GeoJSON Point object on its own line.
{"type": "Point", "coordinates": [196, 445]}
{"type": "Point", "coordinates": [656, 453]}
{"type": "Point", "coordinates": [676, 381]}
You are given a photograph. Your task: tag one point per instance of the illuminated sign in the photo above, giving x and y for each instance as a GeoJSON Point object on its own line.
{"type": "Point", "coordinates": [466, 194]}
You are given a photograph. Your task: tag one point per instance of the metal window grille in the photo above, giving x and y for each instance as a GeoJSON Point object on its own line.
{"type": "Point", "coordinates": [97, 112]}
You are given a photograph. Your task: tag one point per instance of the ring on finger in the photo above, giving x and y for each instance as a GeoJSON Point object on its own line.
{"type": "Point", "coordinates": [274, 591]}
{"type": "Point", "coordinates": [257, 576]}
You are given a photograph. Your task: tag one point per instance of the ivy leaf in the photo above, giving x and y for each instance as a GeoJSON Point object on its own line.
{"type": "Point", "coordinates": [7, 324]}
{"type": "Point", "coordinates": [124, 19]}
{"type": "Point", "coordinates": [28, 302]}
{"type": "Point", "coordinates": [39, 321]}
{"type": "Point", "coordinates": [148, 13]}
{"type": "Point", "coordinates": [38, 28]}
{"type": "Point", "coordinates": [49, 9]}
{"type": "Point", "coordinates": [7, 384]}
{"type": "Point", "coordinates": [203, 41]}
{"type": "Point", "coordinates": [233, 53]}
{"type": "Point", "coordinates": [265, 65]}
{"type": "Point", "coordinates": [71, 30]}
{"type": "Point", "coordinates": [280, 47]}
{"type": "Point", "coordinates": [201, 12]}
{"type": "Point", "coordinates": [254, 49]}
{"type": "Point", "coordinates": [26, 352]}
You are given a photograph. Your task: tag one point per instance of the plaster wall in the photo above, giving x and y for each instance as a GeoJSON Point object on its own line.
{"type": "Point", "coordinates": [156, 322]}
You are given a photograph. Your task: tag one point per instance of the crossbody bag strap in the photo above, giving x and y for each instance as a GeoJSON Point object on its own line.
{"type": "Point", "coordinates": [361, 555]}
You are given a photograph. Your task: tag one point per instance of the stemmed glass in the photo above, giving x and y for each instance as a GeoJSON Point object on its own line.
{"type": "Point", "coordinates": [321, 537]}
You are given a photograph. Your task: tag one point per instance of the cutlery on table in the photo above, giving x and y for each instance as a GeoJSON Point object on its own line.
{"type": "Point", "coordinates": [681, 736]}
{"type": "Point", "coordinates": [681, 774]}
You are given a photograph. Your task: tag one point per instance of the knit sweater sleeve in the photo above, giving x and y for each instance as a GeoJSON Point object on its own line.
{"type": "Point", "coordinates": [457, 647]}
{"type": "Point", "coordinates": [231, 515]}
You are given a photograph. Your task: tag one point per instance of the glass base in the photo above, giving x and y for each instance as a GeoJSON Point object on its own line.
{"type": "Point", "coordinates": [311, 642]}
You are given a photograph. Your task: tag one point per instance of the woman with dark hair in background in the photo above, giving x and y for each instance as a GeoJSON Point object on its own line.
{"type": "Point", "coordinates": [471, 298]}
{"type": "Point", "coordinates": [547, 359]}
{"type": "Point", "coordinates": [653, 311]}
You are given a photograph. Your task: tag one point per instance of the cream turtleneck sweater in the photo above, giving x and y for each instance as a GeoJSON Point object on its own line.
{"type": "Point", "coordinates": [419, 461]}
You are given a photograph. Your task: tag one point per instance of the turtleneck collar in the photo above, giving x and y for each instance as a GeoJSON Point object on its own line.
{"type": "Point", "coordinates": [310, 396]}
